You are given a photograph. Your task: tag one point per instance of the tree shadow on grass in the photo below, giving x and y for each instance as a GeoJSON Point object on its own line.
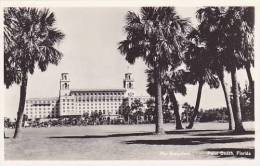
{"type": "Point", "coordinates": [106, 136]}
{"type": "Point", "coordinates": [187, 131]}
{"type": "Point", "coordinates": [225, 133]}
{"type": "Point", "coordinates": [132, 134]}
{"type": "Point", "coordinates": [190, 141]}
{"type": "Point", "coordinates": [231, 152]}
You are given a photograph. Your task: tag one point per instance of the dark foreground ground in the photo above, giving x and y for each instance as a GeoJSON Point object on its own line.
{"type": "Point", "coordinates": [124, 142]}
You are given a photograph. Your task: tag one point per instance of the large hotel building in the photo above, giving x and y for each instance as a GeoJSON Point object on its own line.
{"type": "Point", "coordinates": [108, 102]}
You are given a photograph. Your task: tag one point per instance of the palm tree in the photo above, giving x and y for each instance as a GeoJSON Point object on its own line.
{"type": "Point", "coordinates": [29, 40]}
{"type": "Point", "coordinates": [198, 63]}
{"type": "Point", "coordinates": [156, 36]}
{"type": "Point", "coordinates": [234, 45]}
{"type": "Point", "coordinates": [247, 19]}
{"type": "Point", "coordinates": [209, 33]}
{"type": "Point", "coordinates": [172, 83]}
{"type": "Point", "coordinates": [220, 74]}
{"type": "Point", "coordinates": [236, 42]}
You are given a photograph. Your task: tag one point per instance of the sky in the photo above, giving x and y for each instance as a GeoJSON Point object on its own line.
{"type": "Point", "coordinates": [92, 59]}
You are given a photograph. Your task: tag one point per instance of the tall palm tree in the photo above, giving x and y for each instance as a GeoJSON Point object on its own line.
{"type": "Point", "coordinates": [220, 74]}
{"type": "Point", "coordinates": [248, 21]}
{"type": "Point", "coordinates": [236, 42]}
{"type": "Point", "coordinates": [156, 36]}
{"type": "Point", "coordinates": [247, 18]}
{"type": "Point", "coordinates": [29, 40]}
{"type": "Point", "coordinates": [172, 82]}
{"type": "Point", "coordinates": [232, 44]}
{"type": "Point", "coordinates": [209, 33]}
{"type": "Point", "coordinates": [198, 63]}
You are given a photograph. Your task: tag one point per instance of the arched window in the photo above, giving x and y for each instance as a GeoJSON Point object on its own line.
{"type": "Point", "coordinates": [130, 85]}
{"type": "Point", "coordinates": [65, 86]}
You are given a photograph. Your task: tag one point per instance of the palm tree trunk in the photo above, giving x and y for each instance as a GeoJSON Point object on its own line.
{"type": "Point", "coordinates": [237, 110]}
{"type": "Point", "coordinates": [156, 114]}
{"type": "Point", "coordinates": [159, 123]}
{"type": "Point", "coordinates": [19, 120]}
{"type": "Point", "coordinates": [250, 79]}
{"type": "Point", "coordinates": [228, 103]}
{"type": "Point", "coordinates": [251, 85]}
{"type": "Point", "coordinates": [196, 109]}
{"type": "Point", "coordinates": [176, 111]}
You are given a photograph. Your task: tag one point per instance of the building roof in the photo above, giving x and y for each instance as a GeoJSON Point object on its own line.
{"type": "Point", "coordinates": [44, 98]}
{"type": "Point", "coordinates": [97, 90]}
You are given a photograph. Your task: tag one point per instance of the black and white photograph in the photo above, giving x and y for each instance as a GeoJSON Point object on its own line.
{"type": "Point", "coordinates": [149, 82]}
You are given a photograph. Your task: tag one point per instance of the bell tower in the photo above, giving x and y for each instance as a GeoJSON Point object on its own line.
{"type": "Point", "coordinates": [64, 84]}
{"type": "Point", "coordinates": [129, 85]}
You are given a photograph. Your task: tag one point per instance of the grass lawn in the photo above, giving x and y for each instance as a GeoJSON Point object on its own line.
{"type": "Point", "coordinates": [128, 142]}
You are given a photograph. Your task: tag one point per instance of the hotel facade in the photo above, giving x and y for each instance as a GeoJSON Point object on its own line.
{"type": "Point", "coordinates": [77, 102]}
